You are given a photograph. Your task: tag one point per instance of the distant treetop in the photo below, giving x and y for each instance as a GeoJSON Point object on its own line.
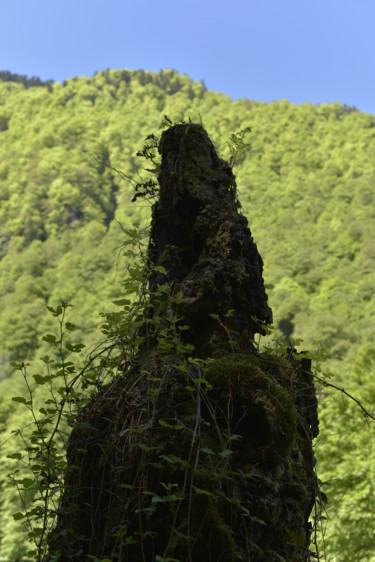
{"type": "Point", "coordinates": [7, 76]}
{"type": "Point", "coordinates": [169, 80]}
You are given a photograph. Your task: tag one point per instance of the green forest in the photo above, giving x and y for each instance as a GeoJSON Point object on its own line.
{"type": "Point", "coordinates": [306, 182]}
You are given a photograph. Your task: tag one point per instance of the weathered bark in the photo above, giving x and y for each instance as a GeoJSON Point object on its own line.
{"type": "Point", "coordinates": [200, 461]}
{"type": "Point", "coordinates": [204, 243]}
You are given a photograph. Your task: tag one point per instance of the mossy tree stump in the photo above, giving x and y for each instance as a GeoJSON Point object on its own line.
{"type": "Point", "coordinates": [202, 452]}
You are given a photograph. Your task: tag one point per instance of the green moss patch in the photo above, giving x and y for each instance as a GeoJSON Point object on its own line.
{"type": "Point", "coordinates": [260, 409]}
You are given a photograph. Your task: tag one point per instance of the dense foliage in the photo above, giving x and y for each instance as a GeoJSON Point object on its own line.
{"type": "Point", "coordinates": [307, 186]}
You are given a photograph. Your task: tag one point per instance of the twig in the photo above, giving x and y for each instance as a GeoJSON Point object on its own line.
{"type": "Point", "coordinates": [365, 412]}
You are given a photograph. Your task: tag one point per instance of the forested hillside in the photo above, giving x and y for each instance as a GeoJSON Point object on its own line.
{"type": "Point", "coordinates": [307, 186]}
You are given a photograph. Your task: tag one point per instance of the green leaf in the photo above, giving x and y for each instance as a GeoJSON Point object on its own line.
{"type": "Point", "coordinates": [179, 297]}
{"type": "Point", "coordinates": [46, 359]}
{"type": "Point", "coordinates": [250, 475]}
{"type": "Point", "coordinates": [127, 486]}
{"type": "Point", "coordinates": [18, 516]}
{"type": "Point", "coordinates": [208, 451]}
{"type": "Point", "coordinates": [121, 302]}
{"type": "Point", "coordinates": [18, 366]}
{"type": "Point", "coordinates": [27, 482]}
{"type": "Point", "coordinates": [75, 348]}
{"type": "Point", "coordinates": [55, 311]}
{"type": "Point", "coordinates": [190, 388]}
{"type": "Point", "coordinates": [17, 456]}
{"type": "Point", "coordinates": [226, 453]}
{"type": "Point", "coordinates": [160, 269]}
{"type": "Point", "coordinates": [145, 447]}
{"type": "Point", "coordinates": [49, 338]}
{"type": "Point", "coordinates": [257, 520]}
{"type": "Point", "coordinates": [200, 380]}
{"type": "Point", "coordinates": [166, 499]}
{"type": "Point", "coordinates": [19, 399]}
{"type": "Point", "coordinates": [202, 492]}
{"type": "Point", "coordinates": [236, 437]}
{"type": "Point", "coordinates": [39, 379]}
{"type": "Point", "coordinates": [172, 459]}
{"type": "Point", "coordinates": [169, 426]}
{"type": "Point", "coordinates": [130, 540]}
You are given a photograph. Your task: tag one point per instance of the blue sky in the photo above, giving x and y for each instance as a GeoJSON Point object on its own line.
{"type": "Point", "coordinates": [301, 50]}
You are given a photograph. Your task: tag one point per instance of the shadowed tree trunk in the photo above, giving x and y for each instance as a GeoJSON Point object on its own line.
{"type": "Point", "coordinates": [201, 449]}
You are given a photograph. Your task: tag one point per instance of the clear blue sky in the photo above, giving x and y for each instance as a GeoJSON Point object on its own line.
{"type": "Point", "coordinates": [301, 50]}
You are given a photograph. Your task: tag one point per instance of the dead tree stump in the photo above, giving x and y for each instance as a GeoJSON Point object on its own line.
{"type": "Point", "coordinates": [202, 452]}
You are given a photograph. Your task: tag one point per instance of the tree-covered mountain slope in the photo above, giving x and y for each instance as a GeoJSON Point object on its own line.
{"type": "Point", "coordinates": [307, 186]}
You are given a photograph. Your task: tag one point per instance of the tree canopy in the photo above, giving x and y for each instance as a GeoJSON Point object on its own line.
{"type": "Point", "coordinates": [67, 171]}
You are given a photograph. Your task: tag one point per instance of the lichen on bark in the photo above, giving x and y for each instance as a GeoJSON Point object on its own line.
{"type": "Point", "coordinates": [204, 452]}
